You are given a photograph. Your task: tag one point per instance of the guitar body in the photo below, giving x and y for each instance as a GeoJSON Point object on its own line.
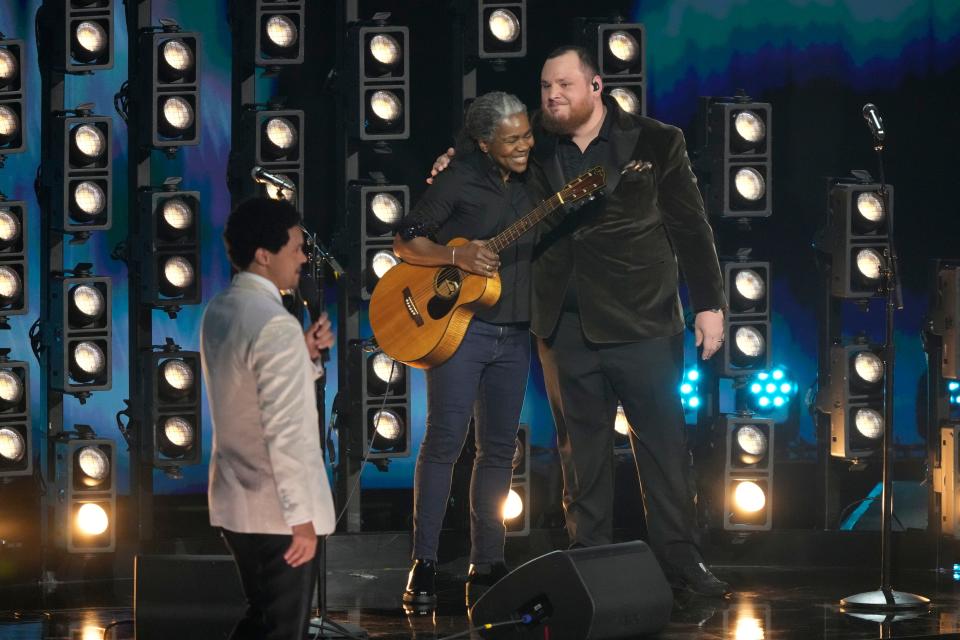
{"type": "Point", "coordinates": [419, 315]}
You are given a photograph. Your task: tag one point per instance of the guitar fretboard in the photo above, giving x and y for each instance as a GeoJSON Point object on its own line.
{"type": "Point", "coordinates": [506, 237]}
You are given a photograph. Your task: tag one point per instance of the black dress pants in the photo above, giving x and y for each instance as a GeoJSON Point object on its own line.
{"type": "Point", "coordinates": [278, 595]}
{"type": "Point", "coordinates": [584, 381]}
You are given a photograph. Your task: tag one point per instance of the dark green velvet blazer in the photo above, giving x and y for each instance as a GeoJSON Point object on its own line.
{"type": "Point", "coordinates": [625, 247]}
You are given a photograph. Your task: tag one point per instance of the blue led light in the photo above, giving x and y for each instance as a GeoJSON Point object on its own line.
{"type": "Point", "coordinates": [777, 374]}
{"type": "Point", "coordinates": [694, 402]}
{"type": "Point", "coordinates": [953, 386]}
{"type": "Point", "coordinates": [756, 388]}
{"type": "Point", "coordinates": [764, 401]}
{"type": "Point", "coordinates": [763, 375]}
{"type": "Point", "coordinates": [785, 387]}
{"type": "Point", "coordinates": [771, 388]}
{"type": "Point", "coordinates": [686, 388]}
{"type": "Point", "coordinates": [779, 401]}
{"type": "Point", "coordinates": [693, 375]}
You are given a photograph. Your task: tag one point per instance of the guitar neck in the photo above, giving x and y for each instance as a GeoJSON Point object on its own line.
{"type": "Point", "coordinates": [509, 235]}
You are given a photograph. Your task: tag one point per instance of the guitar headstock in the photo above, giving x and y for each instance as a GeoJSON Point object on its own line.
{"type": "Point", "coordinates": [584, 185]}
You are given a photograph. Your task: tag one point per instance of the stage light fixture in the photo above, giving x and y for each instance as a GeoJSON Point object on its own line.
{"type": "Point", "coordinates": [739, 158]}
{"type": "Point", "coordinates": [501, 29]}
{"type": "Point", "coordinates": [12, 98]}
{"type": "Point", "coordinates": [770, 390]}
{"type": "Point", "coordinates": [854, 398]}
{"type": "Point", "coordinates": [379, 396]}
{"type": "Point", "coordinates": [856, 238]}
{"type": "Point", "coordinates": [946, 480]}
{"type": "Point", "coordinates": [379, 61]}
{"type": "Point", "coordinates": [82, 309]}
{"type": "Point", "coordinates": [13, 259]}
{"type": "Point", "coordinates": [279, 33]}
{"type": "Point", "coordinates": [748, 473]}
{"type": "Point", "coordinates": [619, 49]}
{"type": "Point", "coordinates": [84, 143]}
{"type": "Point", "coordinates": [746, 348]}
{"type": "Point", "coordinates": [374, 212]}
{"type": "Point", "coordinates": [275, 144]}
{"type": "Point", "coordinates": [170, 232]}
{"type": "Point", "coordinates": [16, 439]}
{"type": "Point", "coordinates": [172, 382]}
{"type": "Point", "coordinates": [945, 317]}
{"type": "Point", "coordinates": [629, 96]}
{"type": "Point", "coordinates": [516, 506]}
{"type": "Point", "coordinates": [173, 91]}
{"type": "Point", "coordinates": [83, 40]}
{"type": "Point", "coordinates": [86, 482]}
{"type": "Point", "coordinates": [689, 390]}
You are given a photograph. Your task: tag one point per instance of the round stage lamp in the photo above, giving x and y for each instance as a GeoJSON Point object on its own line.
{"type": "Point", "coordinates": [11, 286]}
{"type": "Point", "coordinates": [92, 519]}
{"type": "Point", "coordinates": [504, 25]}
{"type": "Point", "coordinates": [87, 305]}
{"type": "Point", "coordinates": [87, 144]}
{"type": "Point", "coordinates": [279, 137]}
{"type": "Point", "coordinates": [178, 275]}
{"type": "Point", "coordinates": [868, 367]}
{"type": "Point", "coordinates": [620, 424]}
{"type": "Point", "coordinates": [176, 59]}
{"type": "Point", "coordinates": [749, 342]}
{"type": "Point", "coordinates": [94, 466]}
{"type": "Point", "coordinates": [87, 201]}
{"type": "Point", "coordinates": [89, 41]}
{"type": "Point", "coordinates": [386, 106]}
{"type": "Point", "coordinates": [869, 423]}
{"type": "Point", "coordinates": [86, 362]}
{"type": "Point", "coordinates": [386, 210]}
{"type": "Point", "coordinates": [512, 506]}
{"type": "Point", "coordinates": [627, 99]}
{"type": "Point", "coordinates": [9, 124]}
{"type": "Point", "coordinates": [624, 47]}
{"type": "Point", "coordinates": [11, 390]}
{"type": "Point", "coordinates": [10, 230]}
{"type": "Point", "coordinates": [177, 116]}
{"type": "Point", "coordinates": [12, 445]}
{"type": "Point", "coordinates": [749, 289]}
{"type": "Point", "coordinates": [750, 128]}
{"type": "Point", "coordinates": [382, 262]}
{"type": "Point", "coordinates": [385, 50]}
{"type": "Point", "coordinates": [282, 33]}
{"type": "Point", "coordinates": [388, 426]}
{"type": "Point", "coordinates": [749, 184]}
{"type": "Point", "coordinates": [871, 211]}
{"type": "Point", "coordinates": [386, 369]}
{"type": "Point", "coordinates": [748, 497]}
{"type": "Point", "coordinates": [177, 437]}
{"type": "Point", "coordinates": [176, 217]}
{"type": "Point", "coordinates": [869, 265]}
{"type": "Point", "coordinates": [752, 442]}
{"type": "Point", "coordinates": [176, 379]}
{"type": "Point", "coordinates": [9, 68]}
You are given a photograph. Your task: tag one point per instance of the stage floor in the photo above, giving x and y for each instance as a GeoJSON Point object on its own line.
{"type": "Point", "coordinates": [770, 603]}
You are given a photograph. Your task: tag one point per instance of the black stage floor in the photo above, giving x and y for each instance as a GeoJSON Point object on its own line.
{"type": "Point", "coordinates": [772, 602]}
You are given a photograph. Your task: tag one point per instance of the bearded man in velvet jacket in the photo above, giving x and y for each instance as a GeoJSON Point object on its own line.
{"type": "Point", "coordinates": [606, 309]}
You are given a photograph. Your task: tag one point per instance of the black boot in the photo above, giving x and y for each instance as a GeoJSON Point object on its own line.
{"type": "Point", "coordinates": [697, 578]}
{"type": "Point", "coordinates": [421, 588]}
{"type": "Point", "coordinates": [481, 577]}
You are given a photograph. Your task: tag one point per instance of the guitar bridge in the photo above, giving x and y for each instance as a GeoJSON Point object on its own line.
{"type": "Point", "coordinates": [411, 307]}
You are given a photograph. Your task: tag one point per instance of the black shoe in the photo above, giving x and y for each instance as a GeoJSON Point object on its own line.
{"type": "Point", "coordinates": [481, 577]}
{"type": "Point", "coordinates": [421, 588]}
{"type": "Point", "coordinates": [698, 579]}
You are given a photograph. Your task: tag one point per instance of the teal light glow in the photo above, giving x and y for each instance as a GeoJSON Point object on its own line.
{"type": "Point", "coordinates": [688, 390]}
{"type": "Point", "coordinates": [771, 390]}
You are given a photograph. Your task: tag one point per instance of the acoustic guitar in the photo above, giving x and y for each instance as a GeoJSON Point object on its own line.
{"type": "Point", "coordinates": [419, 315]}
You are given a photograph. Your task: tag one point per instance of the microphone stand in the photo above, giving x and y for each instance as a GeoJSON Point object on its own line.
{"type": "Point", "coordinates": [886, 599]}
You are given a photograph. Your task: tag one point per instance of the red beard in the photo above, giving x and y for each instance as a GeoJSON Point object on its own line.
{"type": "Point", "coordinates": [578, 116]}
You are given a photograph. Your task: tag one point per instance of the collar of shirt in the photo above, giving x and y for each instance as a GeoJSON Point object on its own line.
{"type": "Point", "coordinates": [254, 281]}
{"type": "Point", "coordinates": [486, 165]}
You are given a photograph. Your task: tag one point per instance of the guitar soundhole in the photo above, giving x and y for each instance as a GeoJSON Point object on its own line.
{"type": "Point", "coordinates": [447, 282]}
{"type": "Point", "coordinates": [438, 307]}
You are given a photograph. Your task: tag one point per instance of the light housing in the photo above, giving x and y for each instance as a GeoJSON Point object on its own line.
{"type": "Point", "coordinates": [619, 49]}
{"type": "Point", "coordinates": [945, 316]}
{"type": "Point", "coordinates": [82, 352]}
{"type": "Point", "coordinates": [274, 140]}
{"type": "Point", "coordinates": [746, 346]}
{"type": "Point", "coordinates": [12, 98]}
{"type": "Point", "coordinates": [170, 233]}
{"type": "Point", "coordinates": [748, 473]}
{"type": "Point", "coordinates": [83, 36]}
{"type": "Point", "coordinates": [857, 244]}
{"type": "Point", "coordinates": [84, 145]}
{"type": "Point", "coordinates": [854, 398]}
{"type": "Point", "coordinates": [380, 405]}
{"type": "Point", "coordinates": [739, 157]}
{"type": "Point", "coordinates": [173, 90]}
{"type": "Point", "coordinates": [379, 109]}
{"type": "Point", "coordinates": [14, 229]}
{"type": "Point", "coordinates": [172, 381]}
{"type": "Point", "coordinates": [86, 479]}
{"type": "Point", "coordinates": [375, 211]}
{"type": "Point", "coordinates": [16, 437]}
{"type": "Point", "coordinates": [279, 39]}
{"type": "Point", "coordinates": [501, 29]}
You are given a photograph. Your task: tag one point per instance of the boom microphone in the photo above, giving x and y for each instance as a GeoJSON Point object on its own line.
{"type": "Point", "coordinates": [872, 115]}
{"type": "Point", "coordinates": [261, 175]}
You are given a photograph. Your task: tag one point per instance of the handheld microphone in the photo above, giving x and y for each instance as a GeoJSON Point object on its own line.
{"type": "Point", "coordinates": [261, 175]}
{"type": "Point", "coordinates": [310, 292]}
{"type": "Point", "coordinates": [872, 115]}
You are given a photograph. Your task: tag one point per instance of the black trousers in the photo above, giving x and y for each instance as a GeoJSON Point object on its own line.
{"type": "Point", "coordinates": [278, 595]}
{"type": "Point", "coordinates": [584, 382]}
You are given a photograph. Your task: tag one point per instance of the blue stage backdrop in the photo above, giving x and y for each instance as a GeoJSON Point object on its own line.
{"type": "Point", "coordinates": [817, 62]}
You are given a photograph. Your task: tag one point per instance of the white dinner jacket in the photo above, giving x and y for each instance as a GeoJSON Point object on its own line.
{"type": "Point", "coordinates": [266, 465]}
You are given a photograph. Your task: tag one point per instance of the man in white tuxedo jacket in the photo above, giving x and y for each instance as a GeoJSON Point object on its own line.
{"type": "Point", "coordinates": [268, 489]}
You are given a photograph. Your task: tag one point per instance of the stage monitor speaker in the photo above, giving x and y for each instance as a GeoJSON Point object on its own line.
{"type": "Point", "coordinates": [611, 591]}
{"type": "Point", "coordinates": [181, 596]}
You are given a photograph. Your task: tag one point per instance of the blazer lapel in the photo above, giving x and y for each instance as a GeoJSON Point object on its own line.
{"type": "Point", "coordinates": [623, 143]}
{"type": "Point", "coordinates": [546, 153]}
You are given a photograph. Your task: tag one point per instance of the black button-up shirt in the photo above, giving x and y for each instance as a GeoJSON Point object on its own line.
{"type": "Point", "coordinates": [573, 162]}
{"type": "Point", "coordinates": [471, 200]}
